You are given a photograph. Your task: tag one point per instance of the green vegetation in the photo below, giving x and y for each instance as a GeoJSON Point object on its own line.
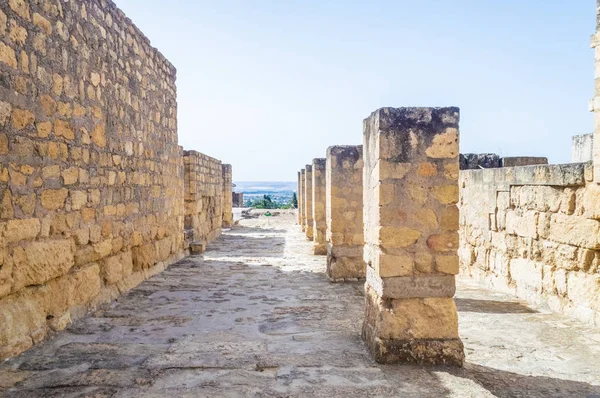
{"type": "Point", "coordinates": [267, 203]}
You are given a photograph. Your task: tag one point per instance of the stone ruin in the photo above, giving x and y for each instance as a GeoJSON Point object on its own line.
{"type": "Point", "coordinates": [428, 213]}
{"type": "Point", "coordinates": [96, 195]}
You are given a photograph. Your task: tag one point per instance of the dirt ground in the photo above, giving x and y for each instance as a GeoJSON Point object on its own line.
{"type": "Point", "coordinates": [256, 317]}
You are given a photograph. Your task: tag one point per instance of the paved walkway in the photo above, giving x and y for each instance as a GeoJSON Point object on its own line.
{"type": "Point", "coordinates": [255, 316]}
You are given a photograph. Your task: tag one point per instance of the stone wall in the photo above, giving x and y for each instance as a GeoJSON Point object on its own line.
{"type": "Point", "coordinates": [534, 232]}
{"type": "Point", "coordinates": [410, 182]}
{"type": "Point", "coordinates": [344, 191]}
{"type": "Point", "coordinates": [91, 175]}
{"type": "Point", "coordinates": [227, 201]}
{"type": "Point", "coordinates": [203, 197]}
{"type": "Point", "coordinates": [318, 207]}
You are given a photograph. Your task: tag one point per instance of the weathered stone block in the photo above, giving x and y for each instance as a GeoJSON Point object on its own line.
{"type": "Point", "coordinates": [39, 262]}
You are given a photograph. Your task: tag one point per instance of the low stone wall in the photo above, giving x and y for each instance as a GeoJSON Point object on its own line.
{"type": "Point", "coordinates": [534, 231]}
{"type": "Point", "coordinates": [91, 174]}
{"type": "Point", "coordinates": [203, 197]}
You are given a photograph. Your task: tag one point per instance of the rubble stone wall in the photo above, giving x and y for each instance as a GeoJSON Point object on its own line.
{"type": "Point", "coordinates": [91, 174]}
{"type": "Point", "coordinates": [344, 191]}
{"type": "Point", "coordinates": [534, 231]}
{"type": "Point", "coordinates": [203, 196]}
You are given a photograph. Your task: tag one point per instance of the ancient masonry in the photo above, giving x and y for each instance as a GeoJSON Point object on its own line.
{"type": "Point", "coordinates": [227, 201]}
{"type": "Point", "coordinates": [299, 198]}
{"type": "Point", "coordinates": [94, 188]}
{"type": "Point", "coordinates": [318, 207]}
{"type": "Point", "coordinates": [302, 199]}
{"type": "Point", "coordinates": [308, 202]}
{"type": "Point", "coordinates": [411, 235]}
{"type": "Point", "coordinates": [344, 204]}
{"type": "Point", "coordinates": [524, 227]}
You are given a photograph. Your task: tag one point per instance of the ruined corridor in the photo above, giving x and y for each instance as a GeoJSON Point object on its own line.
{"type": "Point", "coordinates": [255, 315]}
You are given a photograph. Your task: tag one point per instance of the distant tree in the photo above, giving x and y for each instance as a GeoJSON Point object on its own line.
{"type": "Point", "coordinates": [294, 201]}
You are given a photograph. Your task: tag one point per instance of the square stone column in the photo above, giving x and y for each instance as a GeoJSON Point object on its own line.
{"type": "Point", "coordinates": [319, 202]}
{"type": "Point", "coordinates": [302, 199]}
{"type": "Point", "coordinates": [344, 191]}
{"type": "Point", "coordinates": [299, 199]}
{"type": "Point", "coordinates": [595, 102]}
{"type": "Point", "coordinates": [227, 201]}
{"type": "Point", "coordinates": [308, 209]}
{"type": "Point", "coordinates": [410, 181]}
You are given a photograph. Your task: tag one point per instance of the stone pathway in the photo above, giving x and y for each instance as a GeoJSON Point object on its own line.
{"type": "Point", "coordinates": [255, 316]}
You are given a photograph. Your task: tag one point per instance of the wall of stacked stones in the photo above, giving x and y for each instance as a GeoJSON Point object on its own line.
{"type": "Point", "coordinates": [203, 196]}
{"type": "Point", "coordinates": [91, 175]}
{"type": "Point", "coordinates": [535, 232]}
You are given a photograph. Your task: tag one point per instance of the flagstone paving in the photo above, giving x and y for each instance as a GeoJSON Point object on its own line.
{"type": "Point", "coordinates": [256, 317]}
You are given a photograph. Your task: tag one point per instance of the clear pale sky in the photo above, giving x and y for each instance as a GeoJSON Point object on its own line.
{"type": "Point", "coordinates": [268, 85]}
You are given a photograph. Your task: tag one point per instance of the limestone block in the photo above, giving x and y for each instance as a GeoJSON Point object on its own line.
{"type": "Point", "coordinates": [39, 262]}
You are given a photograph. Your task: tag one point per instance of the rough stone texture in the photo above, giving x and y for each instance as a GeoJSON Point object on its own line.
{"type": "Point", "coordinates": [476, 161]}
{"type": "Point", "coordinates": [203, 196]}
{"type": "Point", "coordinates": [302, 195]}
{"type": "Point", "coordinates": [308, 209]}
{"type": "Point", "coordinates": [91, 175]}
{"type": "Point", "coordinates": [345, 233]}
{"type": "Point", "coordinates": [227, 201]}
{"type": "Point", "coordinates": [595, 102]}
{"type": "Point", "coordinates": [256, 317]}
{"type": "Point", "coordinates": [533, 232]}
{"type": "Point", "coordinates": [90, 169]}
{"type": "Point", "coordinates": [514, 161]}
{"type": "Point", "coordinates": [319, 202]}
{"type": "Point", "coordinates": [582, 148]}
{"type": "Point", "coordinates": [299, 198]}
{"type": "Point", "coordinates": [410, 180]}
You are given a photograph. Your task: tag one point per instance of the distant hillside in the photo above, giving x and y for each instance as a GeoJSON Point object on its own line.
{"type": "Point", "coordinates": [264, 186]}
{"type": "Point", "coordinates": [280, 192]}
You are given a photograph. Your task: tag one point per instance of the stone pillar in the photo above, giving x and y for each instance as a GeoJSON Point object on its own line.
{"type": "Point", "coordinates": [302, 199]}
{"type": "Point", "coordinates": [344, 191]}
{"type": "Point", "coordinates": [595, 103]}
{"type": "Point", "coordinates": [410, 182]}
{"type": "Point", "coordinates": [308, 206]}
{"type": "Point", "coordinates": [299, 199]}
{"type": "Point", "coordinates": [227, 201]}
{"type": "Point", "coordinates": [319, 219]}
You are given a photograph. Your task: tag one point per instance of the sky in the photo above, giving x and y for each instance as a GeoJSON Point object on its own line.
{"type": "Point", "coordinates": [268, 85]}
